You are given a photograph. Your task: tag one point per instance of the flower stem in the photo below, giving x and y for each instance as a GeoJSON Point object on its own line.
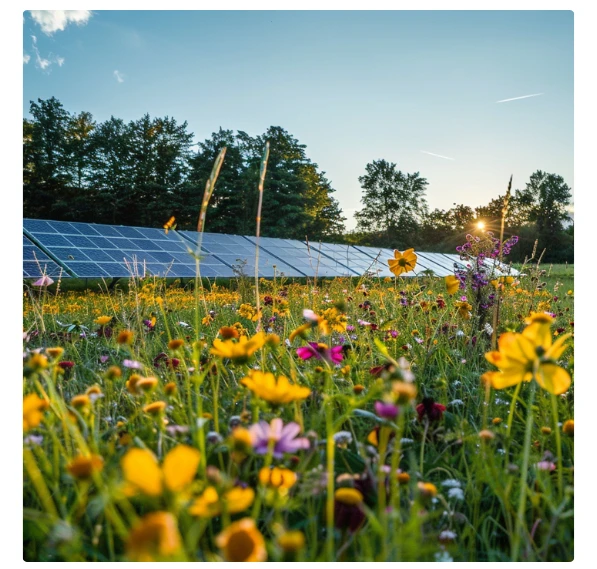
{"type": "Point", "coordinates": [523, 476]}
{"type": "Point", "coordinates": [554, 412]}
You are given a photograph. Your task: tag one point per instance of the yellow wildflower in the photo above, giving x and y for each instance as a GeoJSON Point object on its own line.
{"type": "Point", "coordinates": [239, 352]}
{"type": "Point", "coordinates": [142, 472]}
{"type": "Point", "coordinates": [531, 354]}
{"type": "Point", "coordinates": [210, 504]}
{"type": "Point", "coordinates": [276, 392]}
{"type": "Point", "coordinates": [33, 407]}
{"type": "Point", "coordinates": [403, 262]}
{"type": "Point", "coordinates": [155, 537]}
{"type": "Point", "coordinates": [242, 541]}
{"type": "Point", "coordinates": [452, 284]}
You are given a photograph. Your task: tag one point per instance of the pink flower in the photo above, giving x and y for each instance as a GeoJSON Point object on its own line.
{"type": "Point", "coordinates": [44, 281]}
{"type": "Point", "coordinates": [132, 364]}
{"type": "Point", "coordinates": [321, 352]}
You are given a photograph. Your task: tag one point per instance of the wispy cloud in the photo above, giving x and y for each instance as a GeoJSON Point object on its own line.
{"type": "Point", "coordinates": [43, 63]}
{"type": "Point", "coordinates": [26, 58]}
{"type": "Point", "coordinates": [438, 155]}
{"type": "Point", "coordinates": [51, 21]}
{"type": "Point", "coordinates": [517, 98]}
{"type": "Point", "coordinates": [119, 76]}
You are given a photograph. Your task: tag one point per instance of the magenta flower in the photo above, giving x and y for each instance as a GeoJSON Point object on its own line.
{"type": "Point", "coordinates": [283, 437]}
{"type": "Point", "coordinates": [386, 410]}
{"type": "Point", "coordinates": [44, 281]}
{"type": "Point", "coordinates": [321, 352]}
{"type": "Point", "coordinates": [132, 364]}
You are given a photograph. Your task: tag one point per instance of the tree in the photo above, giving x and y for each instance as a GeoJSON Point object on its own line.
{"type": "Point", "coordinates": [394, 203]}
{"type": "Point", "coordinates": [44, 157]}
{"type": "Point", "coordinates": [545, 198]}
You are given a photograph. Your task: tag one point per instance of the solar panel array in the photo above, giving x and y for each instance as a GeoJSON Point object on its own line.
{"type": "Point", "coordinates": [37, 264]}
{"type": "Point", "coordinates": [89, 250]}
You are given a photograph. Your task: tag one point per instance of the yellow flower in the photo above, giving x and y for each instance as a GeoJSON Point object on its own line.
{"type": "Point", "coordinates": [348, 496]}
{"type": "Point", "coordinates": [103, 320]}
{"type": "Point", "coordinates": [155, 537]}
{"type": "Point", "coordinates": [291, 541]}
{"type": "Point", "coordinates": [210, 504]}
{"type": "Point", "coordinates": [125, 337]}
{"type": "Point", "coordinates": [276, 392]}
{"type": "Point", "coordinates": [239, 352]}
{"type": "Point", "coordinates": [529, 354]}
{"type": "Point", "coordinates": [464, 309]}
{"type": "Point", "coordinates": [32, 410]}
{"type": "Point", "coordinates": [175, 344]}
{"type": "Point", "coordinates": [452, 284]}
{"type": "Point", "coordinates": [154, 408]}
{"type": "Point", "coordinates": [142, 472]}
{"type": "Point", "coordinates": [277, 477]}
{"type": "Point", "coordinates": [301, 331]}
{"type": "Point", "coordinates": [82, 467]}
{"type": "Point", "coordinates": [335, 319]}
{"type": "Point", "coordinates": [403, 392]}
{"type": "Point", "coordinates": [242, 541]}
{"type": "Point", "coordinates": [403, 262]}
{"type": "Point", "coordinates": [55, 352]}
{"type": "Point", "coordinates": [427, 489]}
{"type": "Point", "coordinates": [568, 428]}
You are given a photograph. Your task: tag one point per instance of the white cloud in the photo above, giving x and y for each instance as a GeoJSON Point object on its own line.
{"type": "Point", "coordinates": [43, 63]}
{"type": "Point", "coordinates": [26, 58]}
{"type": "Point", "coordinates": [119, 76]}
{"type": "Point", "coordinates": [51, 21]}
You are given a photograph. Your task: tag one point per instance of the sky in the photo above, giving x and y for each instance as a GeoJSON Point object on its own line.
{"type": "Point", "coordinates": [465, 98]}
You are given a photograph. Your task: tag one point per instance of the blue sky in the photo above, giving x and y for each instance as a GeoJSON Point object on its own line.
{"type": "Point", "coordinates": [418, 88]}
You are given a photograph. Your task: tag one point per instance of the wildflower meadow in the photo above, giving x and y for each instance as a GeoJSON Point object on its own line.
{"type": "Point", "coordinates": [396, 419]}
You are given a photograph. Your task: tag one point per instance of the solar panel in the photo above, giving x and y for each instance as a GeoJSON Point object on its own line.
{"type": "Point", "coordinates": [346, 255]}
{"type": "Point", "coordinates": [440, 265]}
{"type": "Point", "coordinates": [381, 255]}
{"type": "Point", "coordinates": [239, 252]}
{"type": "Point", "coordinates": [492, 265]}
{"type": "Point", "coordinates": [36, 263]}
{"type": "Point", "coordinates": [95, 251]}
{"type": "Point", "coordinates": [306, 258]}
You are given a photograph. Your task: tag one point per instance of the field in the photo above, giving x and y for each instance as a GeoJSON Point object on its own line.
{"type": "Point", "coordinates": [398, 419]}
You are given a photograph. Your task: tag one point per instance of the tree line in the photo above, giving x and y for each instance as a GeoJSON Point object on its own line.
{"type": "Point", "coordinates": [145, 171]}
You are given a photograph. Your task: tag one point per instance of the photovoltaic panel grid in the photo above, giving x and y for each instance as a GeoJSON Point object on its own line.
{"type": "Point", "coordinates": [95, 251]}
{"type": "Point", "coordinates": [239, 251]}
{"type": "Point", "coordinates": [37, 264]}
{"type": "Point", "coordinates": [307, 259]}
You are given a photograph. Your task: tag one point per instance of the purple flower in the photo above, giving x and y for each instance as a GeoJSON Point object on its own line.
{"type": "Point", "coordinates": [283, 437]}
{"type": "Point", "coordinates": [321, 352]}
{"type": "Point", "coordinates": [386, 410]}
{"type": "Point", "coordinates": [44, 281]}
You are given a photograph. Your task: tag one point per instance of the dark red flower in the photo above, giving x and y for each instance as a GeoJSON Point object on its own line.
{"type": "Point", "coordinates": [66, 364]}
{"type": "Point", "coordinates": [430, 409]}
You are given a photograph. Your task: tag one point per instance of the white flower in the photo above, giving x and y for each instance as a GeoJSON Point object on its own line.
{"type": "Point", "coordinates": [456, 402]}
{"type": "Point", "coordinates": [343, 438]}
{"type": "Point", "coordinates": [451, 483]}
{"type": "Point", "coordinates": [456, 493]}
{"type": "Point", "coordinates": [443, 556]}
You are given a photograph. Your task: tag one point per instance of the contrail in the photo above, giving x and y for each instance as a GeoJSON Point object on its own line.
{"type": "Point", "coordinates": [438, 155]}
{"type": "Point", "coordinates": [516, 98]}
